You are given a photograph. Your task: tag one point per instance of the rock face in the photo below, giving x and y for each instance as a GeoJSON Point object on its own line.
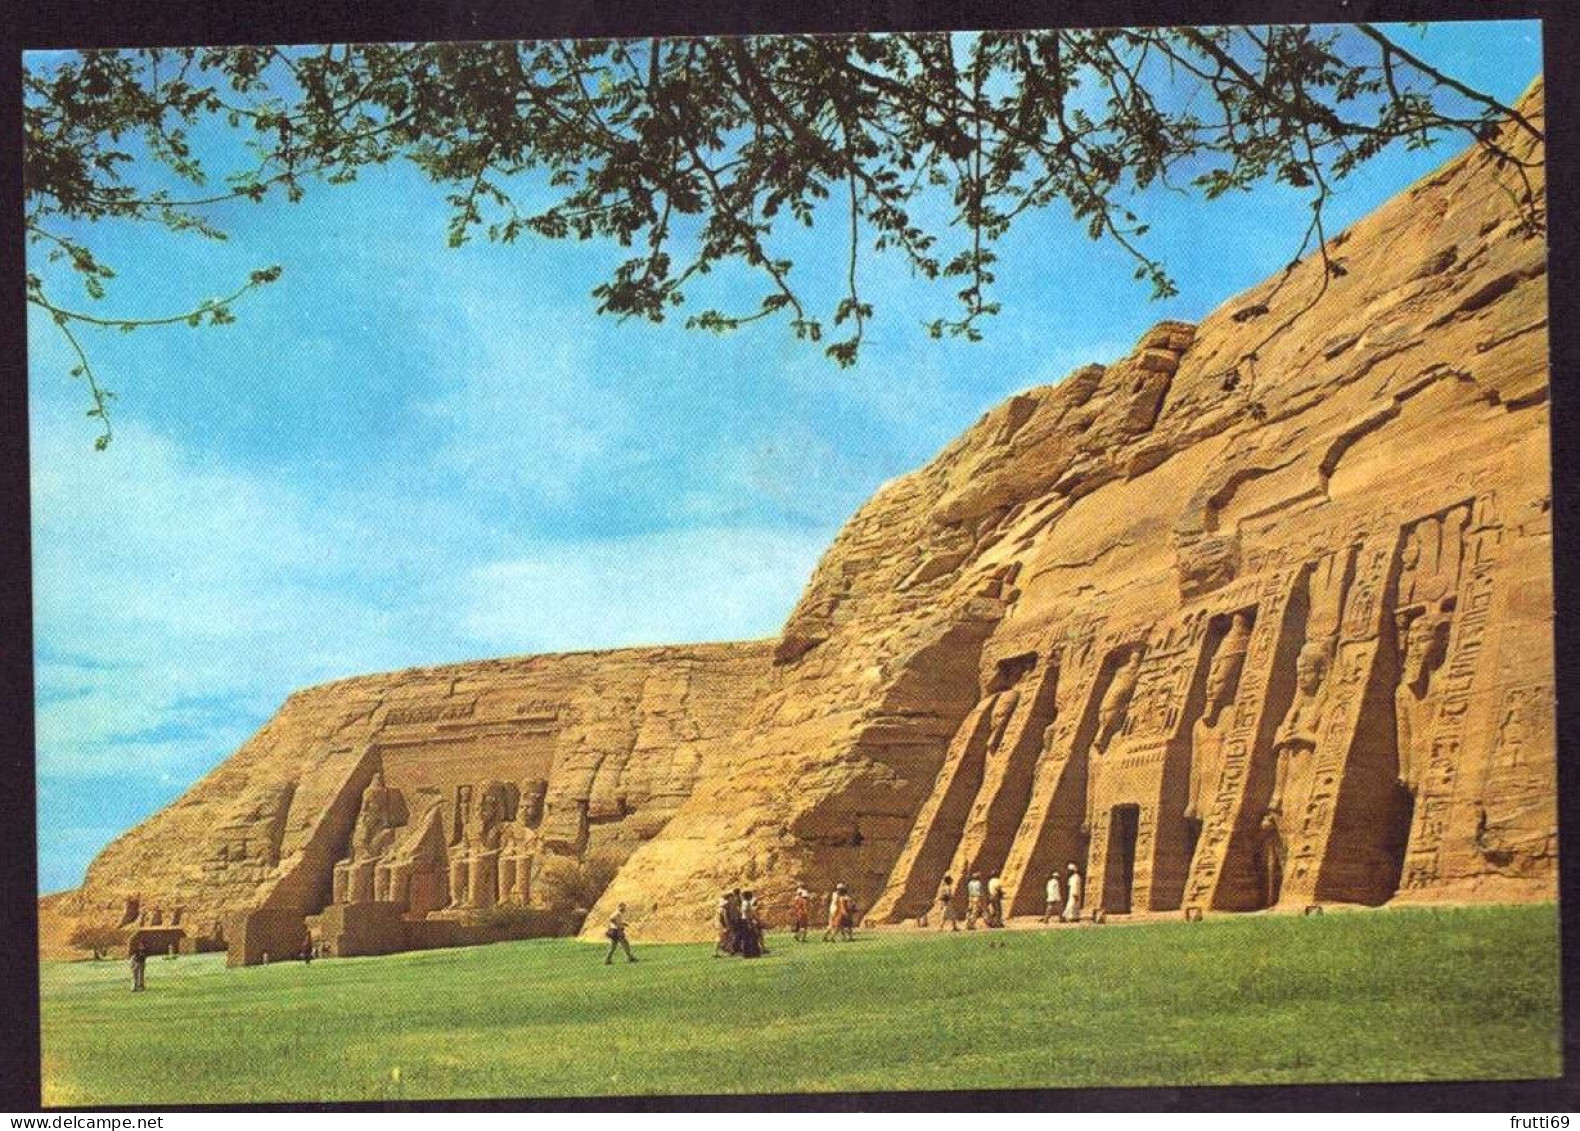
{"type": "Point", "coordinates": [439, 790]}
{"type": "Point", "coordinates": [1260, 615]}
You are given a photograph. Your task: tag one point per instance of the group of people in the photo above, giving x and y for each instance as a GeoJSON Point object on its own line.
{"type": "Point", "coordinates": [841, 915]}
{"type": "Point", "coordinates": [740, 925]}
{"type": "Point", "coordinates": [985, 901]}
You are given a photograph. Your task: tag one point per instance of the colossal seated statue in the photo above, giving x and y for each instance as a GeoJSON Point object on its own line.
{"type": "Point", "coordinates": [382, 811]}
{"type": "Point", "coordinates": [474, 863]}
{"type": "Point", "coordinates": [518, 846]}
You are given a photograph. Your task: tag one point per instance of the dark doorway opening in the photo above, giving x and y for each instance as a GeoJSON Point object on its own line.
{"type": "Point", "coordinates": [1192, 839]}
{"type": "Point", "coordinates": [1119, 871]}
{"type": "Point", "coordinates": [1397, 841]}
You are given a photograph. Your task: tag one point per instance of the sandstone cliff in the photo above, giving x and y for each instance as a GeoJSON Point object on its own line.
{"type": "Point", "coordinates": [1259, 615]}
{"type": "Point", "coordinates": [585, 754]}
{"type": "Point", "coordinates": [1262, 613]}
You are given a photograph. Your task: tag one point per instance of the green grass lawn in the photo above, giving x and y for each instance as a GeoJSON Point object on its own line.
{"type": "Point", "coordinates": [1408, 994]}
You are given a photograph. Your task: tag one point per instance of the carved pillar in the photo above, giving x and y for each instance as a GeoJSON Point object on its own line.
{"type": "Point", "coordinates": [1228, 827]}
{"type": "Point", "coordinates": [1049, 834]}
{"type": "Point", "coordinates": [1346, 750]}
{"type": "Point", "coordinates": [1438, 780]}
{"type": "Point", "coordinates": [934, 834]}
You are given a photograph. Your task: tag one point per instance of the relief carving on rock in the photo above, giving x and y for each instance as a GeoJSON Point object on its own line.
{"type": "Point", "coordinates": [381, 812]}
{"type": "Point", "coordinates": [1428, 588]}
{"type": "Point", "coordinates": [1438, 777]}
{"type": "Point", "coordinates": [1299, 733]}
{"type": "Point", "coordinates": [1207, 734]}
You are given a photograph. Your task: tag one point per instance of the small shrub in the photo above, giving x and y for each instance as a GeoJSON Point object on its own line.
{"type": "Point", "coordinates": [573, 886]}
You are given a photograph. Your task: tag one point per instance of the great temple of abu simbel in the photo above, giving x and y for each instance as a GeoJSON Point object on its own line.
{"type": "Point", "coordinates": [1261, 615]}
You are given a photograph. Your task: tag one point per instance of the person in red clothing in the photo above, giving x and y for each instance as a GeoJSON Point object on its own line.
{"type": "Point", "coordinates": [841, 915]}
{"type": "Point", "coordinates": [800, 913]}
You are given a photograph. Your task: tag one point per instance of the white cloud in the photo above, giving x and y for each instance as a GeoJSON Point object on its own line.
{"type": "Point", "coordinates": [674, 587]}
{"type": "Point", "coordinates": [177, 602]}
{"type": "Point", "coordinates": [174, 598]}
{"type": "Point", "coordinates": [522, 407]}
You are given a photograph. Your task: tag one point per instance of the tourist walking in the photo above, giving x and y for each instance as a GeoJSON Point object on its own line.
{"type": "Point", "coordinates": [1073, 891]}
{"type": "Point", "coordinates": [139, 956]}
{"type": "Point", "coordinates": [800, 913]}
{"type": "Point", "coordinates": [721, 922]}
{"type": "Point", "coordinates": [995, 888]}
{"type": "Point", "coordinates": [847, 914]}
{"type": "Point", "coordinates": [725, 925]}
{"type": "Point", "coordinates": [973, 901]}
{"type": "Point", "coordinates": [1055, 900]}
{"type": "Point", "coordinates": [946, 905]}
{"type": "Point", "coordinates": [616, 936]}
{"type": "Point", "coordinates": [749, 930]}
{"type": "Point", "coordinates": [841, 916]}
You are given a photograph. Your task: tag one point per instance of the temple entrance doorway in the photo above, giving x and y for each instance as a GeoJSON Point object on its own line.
{"type": "Point", "coordinates": [1120, 869]}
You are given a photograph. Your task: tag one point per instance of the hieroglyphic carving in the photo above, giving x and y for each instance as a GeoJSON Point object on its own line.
{"type": "Point", "coordinates": [1219, 826]}
{"type": "Point", "coordinates": [1516, 826]}
{"type": "Point", "coordinates": [1159, 689]}
{"type": "Point", "coordinates": [1438, 780]}
{"type": "Point", "coordinates": [430, 713]}
{"type": "Point", "coordinates": [539, 710]}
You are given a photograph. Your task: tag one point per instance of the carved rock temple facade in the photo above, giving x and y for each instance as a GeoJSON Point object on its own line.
{"type": "Point", "coordinates": [1259, 616]}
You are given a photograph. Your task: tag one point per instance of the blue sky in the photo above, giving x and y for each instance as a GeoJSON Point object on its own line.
{"type": "Point", "coordinates": [408, 454]}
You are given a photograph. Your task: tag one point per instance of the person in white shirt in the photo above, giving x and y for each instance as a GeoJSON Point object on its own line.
{"type": "Point", "coordinates": [1055, 899]}
{"type": "Point", "coordinates": [1072, 902]}
{"type": "Point", "coordinates": [973, 901]}
{"type": "Point", "coordinates": [616, 936]}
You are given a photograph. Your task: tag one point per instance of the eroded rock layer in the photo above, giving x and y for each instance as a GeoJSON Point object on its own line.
{"type": "Point", "coordinates": [1260, 615]}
